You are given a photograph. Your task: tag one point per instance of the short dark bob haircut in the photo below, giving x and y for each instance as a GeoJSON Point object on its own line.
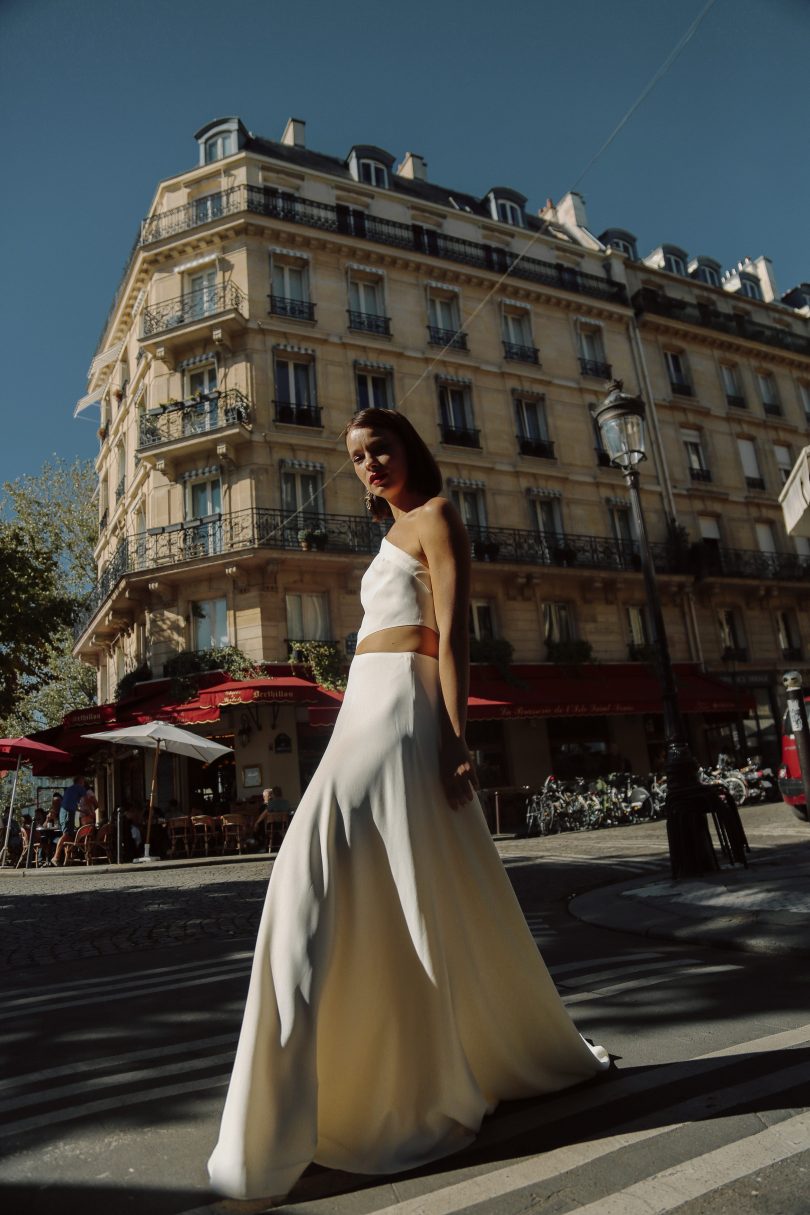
{"type": "Point", "coordinates": [423, 471]}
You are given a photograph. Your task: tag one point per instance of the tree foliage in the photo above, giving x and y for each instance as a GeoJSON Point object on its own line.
{"type": "Point", "coordinates": [47, 531]}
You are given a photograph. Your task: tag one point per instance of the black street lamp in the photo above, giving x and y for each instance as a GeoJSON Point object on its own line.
{"type": "Point", "coordinates": [620, 418]}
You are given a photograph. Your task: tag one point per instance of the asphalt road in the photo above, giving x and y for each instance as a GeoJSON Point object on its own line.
{"type": "Point", "coordinates": [123, 994]}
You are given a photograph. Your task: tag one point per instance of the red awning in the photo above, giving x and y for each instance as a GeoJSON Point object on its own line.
{"type": "Point", "coordinates": [592, 690]}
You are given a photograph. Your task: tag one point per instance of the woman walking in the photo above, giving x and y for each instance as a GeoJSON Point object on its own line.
{"type": "Point", "coordinates": [397, 994]}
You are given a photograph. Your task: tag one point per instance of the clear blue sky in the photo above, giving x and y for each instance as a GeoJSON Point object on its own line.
{"type": "Point", "coordinates": [101, 99]}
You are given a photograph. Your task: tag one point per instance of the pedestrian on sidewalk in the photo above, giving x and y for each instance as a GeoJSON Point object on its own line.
{"type": "Point", "coordinates": [397, 994]}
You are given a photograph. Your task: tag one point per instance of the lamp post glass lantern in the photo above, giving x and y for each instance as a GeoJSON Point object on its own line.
{"type": "Point", "coordinates": [620, 418]}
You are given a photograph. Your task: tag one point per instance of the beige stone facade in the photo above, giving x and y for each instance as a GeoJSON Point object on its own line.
{"type": "Point", "coordinates": [272, 290]}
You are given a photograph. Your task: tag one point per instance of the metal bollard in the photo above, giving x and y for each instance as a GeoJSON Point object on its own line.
{"type": "Point", "coordinates": [119, 816]}
{"type": "Point", "coordinates": [797, 713]}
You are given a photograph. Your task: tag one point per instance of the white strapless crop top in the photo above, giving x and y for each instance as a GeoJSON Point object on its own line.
{"type": "Point", "coordinates": [395, 590]}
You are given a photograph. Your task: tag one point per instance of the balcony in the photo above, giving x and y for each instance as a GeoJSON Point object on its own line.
{"type": "Point", "coordinates": [700, 474]}
{"type": "Point", "coordinates": [709, 560]}
{"type": "Point", "coordinates": [295, 310]}
{"type": "Point", "coordinates": [755, 482]}
{"type": "Point", "coordinates": [218, 537]}
{"type": "Point", "coordinates": [369, 322]}
{"type": "Point", "coordinates": [708, 316]}
{"type": "Point", "coordinates": [452, 338]}
{"type": "Point", "coordinates": [595, 369]}
{"type": "Point", "coordinates": [459, 436]}
{"type": "Point", "coordinates": [681, 388]}
{"type": "Point", "coordinates": [216, 303]}
{"type": "Point", "coordinates": [120, 489]}
{"type": "Point", "coordinates": [736, 402]}
{"type": "Point", "coordinates": [543, 449]}
{"type": "Point", "coordinates": [291, 413]}
{"type": "Point", "coordinates": [521, 354]}
{"type": "Point", "coordinates": [772, 408]}
{"type": "Point", "coordinates": [186, 420]}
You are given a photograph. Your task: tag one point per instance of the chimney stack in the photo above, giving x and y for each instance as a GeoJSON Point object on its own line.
{"type": "Point", "coordinates": [413, 166]}
{"type": "Point", "coordinates": [294, 133]}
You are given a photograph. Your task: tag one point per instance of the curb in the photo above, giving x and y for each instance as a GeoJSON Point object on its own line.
{"type": "Point", "coordinates": [159, 866]}
{"type": "Point", "coordinates": [754, 932]}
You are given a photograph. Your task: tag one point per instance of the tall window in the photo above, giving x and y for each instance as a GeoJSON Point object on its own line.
{"type": "Point", "coordinates": [482, 620]}
{"type": "Point", "coordinates": [766, 539]}
{"type": "Point", "coordinates": [709, 529]}
{"type": "Point", "coordinates": [707, 274]}
{"type": "Point", "coordinates": [201, 415]}
{"type": "Point", "coordinates": [202, 294]}
{"type": "Point", "coordinates": [365, 295]}
{"type": "Point", "coordinates": [804, 396]}
{"type": "Point", "coordinates": [592, 359]}
{"type": "Point", "coordinates": [218, 146]}
{"type": "Point", "coordinates": [295, 391]}
{"type": "Point", "coordinates": [768, 392]}
{"type": "Point", "coordinates": [308, 617]}
{"type": "Point", "coordinates": [558, 623]}
{"type": "Point", "coordinates": [208, 207]}
{"type": "Point", "coordinates": [637, 625]}
{"type": "Point", "coordinates": [784, 461]}
{"type": "Point", "coordinates": [547, 517]}
{"type": "Point", "coordinates": [732, 385]}
{"type": "Point", "coordinates": [750, 464]}
{"type": "Point", "coordinates": [621, 523]}
{"type": "Point", "coordinates": [456, 416]}
{"type": "Point", "coordinates": [677, 371]}
{"type": "Point", "coordinates": [750, 287]}
{"type": "Point", "coordinates": [374, 388]}
{"type": "Point", "coordinates": [471, 505]}
{"type": "Point", "coordinates": [204, 498]}
{"type": "Point", "coordinates": [787, 632]}
{"type": "Point", "coordinates": [516, 330]}
{"type": "Point", "coordinates": [302, 491]}
{"type": "Point", "coordinates": [695, 456]}
{"type": "Point", "coordinates": [289, 280]}
{"type": "Point", "coordinates": [120, 471]}
{"type": "Point", "coordinates": [731, 635]}
{"type": "Point", "coordinates": [209, 624]}
{"type": "Point", "coordinates": [532, 426]}
{"type": "Point", "coordinates": [444, 321]}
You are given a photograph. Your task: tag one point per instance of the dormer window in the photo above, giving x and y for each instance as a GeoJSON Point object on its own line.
{"type": "Point", "coordinates": [705, 270]}
{"type": "Point", "coordinates": [507, 207]}
{"type": "Point", "coordinates": [674, 264]}
{"type": "Point", "coordinates": [370, 165]}
{"type": "Point", "coordinates": [750, 287]}
{"type": "Point", "coordinates": [220, 138]}
{"type": "Point", "coordinates": [623, 242]}
{"type": "Point", "coordinates": [373, 173]}
{"type": "Point", "coordinates": [219, 146]}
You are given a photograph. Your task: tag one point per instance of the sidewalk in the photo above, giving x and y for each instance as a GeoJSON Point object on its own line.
{"type": "Point", "coordinates": [762, 909]}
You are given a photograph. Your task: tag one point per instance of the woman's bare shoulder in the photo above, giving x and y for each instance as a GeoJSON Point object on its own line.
{"type": "Point", "coordinates": [439, 517]}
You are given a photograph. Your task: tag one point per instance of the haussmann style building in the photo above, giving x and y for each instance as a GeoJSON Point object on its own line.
{"type": "Point", "coordinates": [271, 291]}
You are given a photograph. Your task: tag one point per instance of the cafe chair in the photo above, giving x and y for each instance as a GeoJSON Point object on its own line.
{"type": "Point", "coordinates": [180, 835]}
{"type": "Point", "coordinates": [206, 833]}
{"type": "Point", "coordinates": [277, 823]}
{"type": "Point", "coordinates": [98, 846]}
{"type": "Point", "coordinates": [76, 849]}
{"type": "Point", "coordinates": [234, 832]}
{"type": "Point", "coordinates": [36, 851]}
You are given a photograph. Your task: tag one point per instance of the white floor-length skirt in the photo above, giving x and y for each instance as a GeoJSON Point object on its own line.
{"type": "Point", "coordinates": [397, 994]}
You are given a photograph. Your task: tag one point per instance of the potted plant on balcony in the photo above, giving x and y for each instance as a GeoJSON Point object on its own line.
{"type": "Point", "coordinates": [102, 432]}
{"type": "Point", "coordinates": [313, 537]}
{"type": "Point", "coordinates": [571, 653]}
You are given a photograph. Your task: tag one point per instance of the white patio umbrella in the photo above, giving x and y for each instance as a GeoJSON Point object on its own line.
{"type": "Point", "coordinates": [162, 736]}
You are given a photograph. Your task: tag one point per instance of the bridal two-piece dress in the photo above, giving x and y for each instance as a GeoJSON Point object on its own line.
{"type": "Point", "coordinates": [397, 994]}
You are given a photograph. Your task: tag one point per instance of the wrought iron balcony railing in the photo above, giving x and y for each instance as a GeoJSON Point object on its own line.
{"type": "Point", "coordinates": [193, 306]}
{"type": "Point", "coordinates": [681, 388]}
{"type": "Point", "coordinates": [772, 408]}
{"type": "Point", "coordinates": [297, 310]}
{"type": "Point", "coordinates": [648, 299]}
{"type": "Point", "coordinates": [218, 536]}
{"type": "Point", "coordinates": [459, 436]}
{"type": "Point", "coordinates": [453, 338]}
{"type": "Point", "coordinates": [182, 420]}
{"type": "Point", "coordinates": [712, 560]}
{"type": "Point", "coordinates": [521, 354]}
{"type": "Point", "coordinates": [274, 203]}
{"type": "Point", "coordinates": [736, 401]}
{"type": "Point", "coordinates": [596, 369]}
{"type": "Point", "coordinates": [295, 414]}
{"type": "Point", "coordinates": [542, 448]}
{"type": "Point", "coordinates": [369, 322]}
{"type": "Point", "coordinates": [755, 482]}
{"type": "Point", "coordinates": [700, 474]}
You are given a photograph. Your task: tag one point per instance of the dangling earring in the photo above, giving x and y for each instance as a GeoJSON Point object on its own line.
{"type": "Point", "coordinates": [368, 498]}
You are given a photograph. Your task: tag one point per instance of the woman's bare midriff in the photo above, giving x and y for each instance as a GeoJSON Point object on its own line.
{"type": "Point", "coordinates": [401, 639]}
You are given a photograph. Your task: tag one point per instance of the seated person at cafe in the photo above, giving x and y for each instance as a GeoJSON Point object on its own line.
{"type": "Point", "coordinates": [274, 804]}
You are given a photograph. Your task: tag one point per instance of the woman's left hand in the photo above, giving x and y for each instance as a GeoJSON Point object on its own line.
{"type": "Point", "coordinates": [457, 771]}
